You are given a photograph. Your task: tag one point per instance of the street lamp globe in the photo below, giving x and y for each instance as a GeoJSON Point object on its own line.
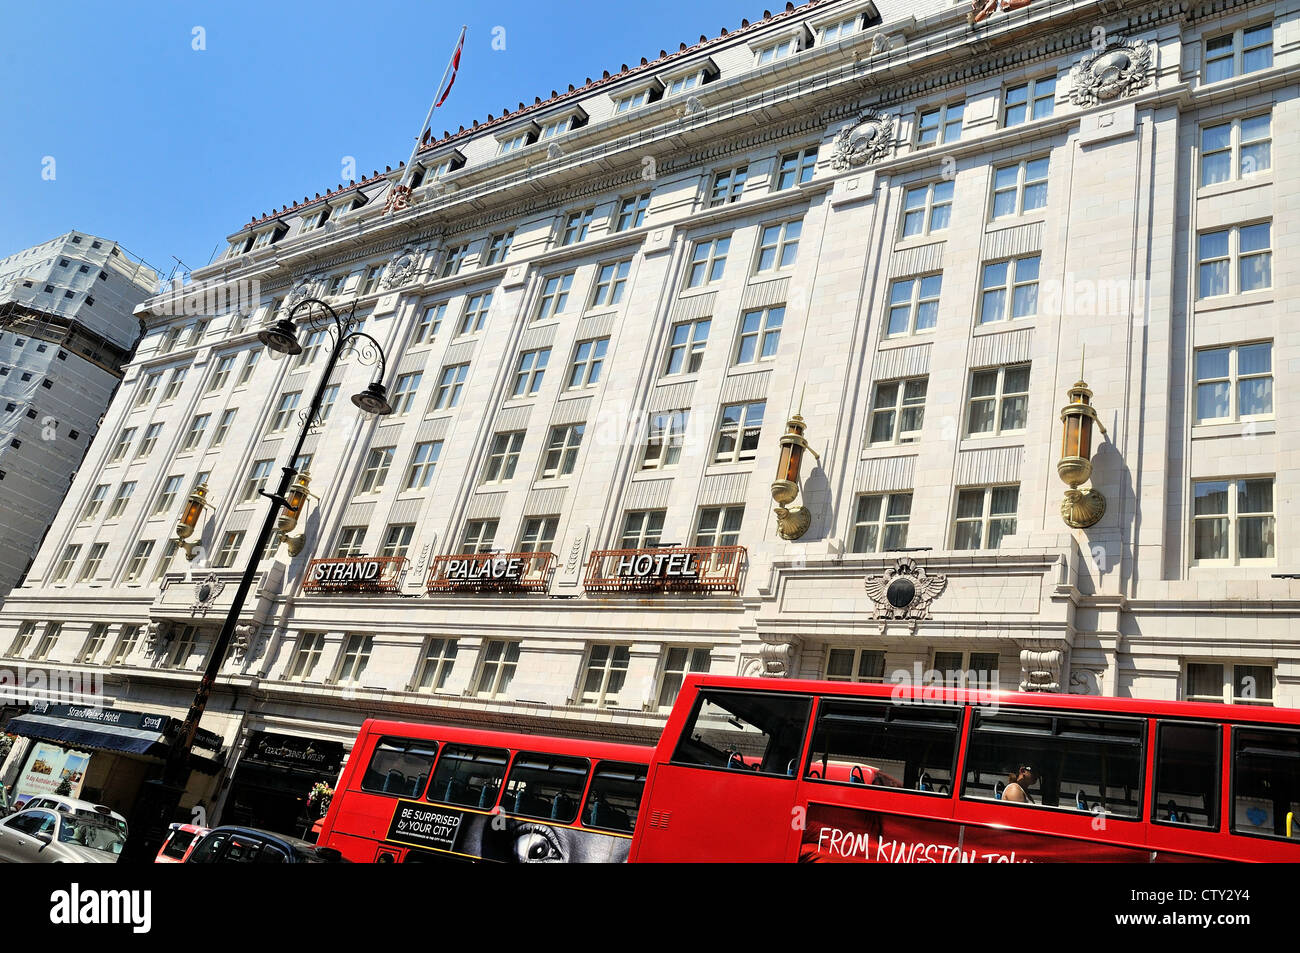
{"type": "Point", "coordinates": [374, 399]}
{"type": "Point", "coordinates": [281, 337]}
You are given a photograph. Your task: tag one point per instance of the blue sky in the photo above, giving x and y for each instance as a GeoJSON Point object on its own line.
{"type": "Point", "coordinates": [167, 149]}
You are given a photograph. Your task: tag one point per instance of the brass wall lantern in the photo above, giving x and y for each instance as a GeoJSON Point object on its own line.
{"type": "Point", "coordinates": [1080, 508]}
{"type": "Point", "coordinates": [189, 519]}
{"type": "Point", "coordinates": [791, 522]}
{"type": "Point", "coordinates": [295, 505]}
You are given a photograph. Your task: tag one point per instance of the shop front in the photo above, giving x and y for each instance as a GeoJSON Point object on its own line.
{"type": "Point", "coordinates": [271, 783]}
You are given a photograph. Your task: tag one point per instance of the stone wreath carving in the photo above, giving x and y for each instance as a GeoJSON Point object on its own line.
{"type": "Point", "coordinates": [401, 269]}
{"type": "Point", "coordinates": [303, 289]}
{"type": "Point", "coordinates": [1120, 68]}
{"type": "Point", "coordinates": [868, 140]}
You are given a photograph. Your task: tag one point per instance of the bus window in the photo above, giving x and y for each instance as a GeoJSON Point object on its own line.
{"type": "Point", "coordinates": [399, 766]}
{"type": "Point", "coordinates": [1266, 782]}
{"type": "Point", "coordinates": [1187, 775]}
{"type": "Point", "coordinates": [469, 776]}
{"type": "Point", "coordinates": [745, 732]}
{"type": "Point", "coordinates": [911, 747]}
{"type": "Point", "coordinates": [615, 796]}
{"type": "Point", "coordinates": [1069, 762]}
{"type": "Point", "coordinates": [546, 786]}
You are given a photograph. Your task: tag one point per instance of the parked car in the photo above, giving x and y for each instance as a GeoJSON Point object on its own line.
{"type": "Point", "coordinates": [57, 802]}
{"type": "Point", "coordinates": [180, 843]}
{"type": "Point", "coordinates": [232, 844]}
{"type": "Point", "coordinates": [42, 836]}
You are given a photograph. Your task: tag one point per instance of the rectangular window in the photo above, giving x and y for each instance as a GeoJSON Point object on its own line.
{"type": "Point", "coordinates": [555, 296]}
{"type": "Point", "coordinates": [311, 347]}
{"type": "Point", "coordinates": [1229, 684]}
{"type": "Point", "coordinates": [727, 186]}
{"type": "Point", "coordinates": [452, 261]}
{"type": "Point", "coordinates": [778, 246]}
{"type": "Point", "coordinates": [778, 51]}
{"type": "Point", "coordinates": [517, 142]}
{"type": "Point", "coordinates": [562, 450]}
{"type": "Point", "coordinates": [686, 345]}
{"type": "Point", "coordinates": [1188, 763]}
{"type": "Point", "coordinates": [435, 665]}
{"type": "Point", "coordinates": [898, 411]}
{"type": "Point", "coordinates": [539, 534]}
{"type": "Point", "coordinates": [370, 283]}
{"type": "Point", "coordinates": [678, 663]}
{"type": "Point", "coordinates": [642, 529]}
{"type": "Point", "coordinates": [122, 445]}
{"type": "Point", "coordinates": [259, 474]}
{"type": "Point", "coordinates": [249, 366]}
{"type": "Point", "coordinates": [503, 457]}
{"type": "Point", "coordinates": [1020, 188]}
{"type": "Point", "coordinates": [284, 411]}
{"type": "Point", "coordinates": [95, 503]}
{"type": "Point", "coordinates": [914, 305]}
{"type": "Point", "coordinates": [528, 375]}
{"type": "Point", "coordinates": [761, 733]}
{"type": "Point", "coordinates": [230, 544]}
{"type": "Point", "coordinates": [479, 537]}
{"type": "Point", "coordinates": [424, 459]}
{"type": "Point", "coordinates": [430, 323]}
{"type": "Point", "coordinates": [880, 523]}
{"type": "Point", "coordinates": [940, 125]}
{"type": "Point", "coordinates": [1234, 383]}
{"type": "Point", "coordinates": [796, 168]}
{"type": "Point", "coordinates": [167, 497]}
{"type": "Point", "coordinates": [223, 428]}
{"type": "Point", "coordinates": [469, 776]}
{"type": "Point", "coordinates": [139, 559]}
{"type": "Point", "coordinates": [498, 248]}
{"type": "Point", "coordinates": [738, 431]}
{"type": "Point", "coordinates": [174, 385]}
{"type": "Point", "coordinates": [350, 540]}
{"type": "Point", "coordinates": [355, 659]}
{"type": "Point", "coordinates": [999, 400]}
{"type": "Point", "coordinates": [611, 281]}
{"type": "Point", "coordinates": [855, 665]}
{"type": "Point", "coordinates": [1236, 149]}
{"type": "Point", "coordinates": [476, 311]}
{"type": "Point", "coordinates": [308, 653]}
{"type": "Point", "coordinates": [151, 434]}
{"type": "Point", "coordinates": [126, 643]}
{"type": "Point", "coordinates": [1233, 521]}
{"type": "Point", "coordinates": [908, 749]}
{"type": "Point", "coordinates": [1238, 53]}
{"type": "Point", "coordinates": [631, 212]}
{"type": "Point", "coordinates": [719, 526]}
{"type": "Point", "coordinates": [64, 568]}
{"type": "Point", "coordinates": [576, 226]}
{"type": "Point", "coordinates": [664, 443]}
{"type": "Point", "coordinates": [927, 208]}
{"type": "Point", "coordinates": [1265, 781]}
{"type": "Point", "coordinates": [94, 642]}
{"type": "Point", "coordinates": [194, 436]}
{"type": "Point", "coordinates": [450, 385]}
{"type": "Point", "coordinates": [606, 671]}
{"type": "Point", "coordinates": [547, 787]}
{"type": "Point", "coordinates": [626, 103]}
{"type": "Point", "coordinates": [397, 541]}
{"type": "Point", "coordinates": [375, 474]}
{"type": "Point", "coordinates": [148, 388]}
{"type": "Point", "coordinates": [123, 497]}
{"type": "Point", "coordinates": [164, 563]}
{"type": "Point", "coordinates": [1081, 763]}
{"type": "Point", "coordinates": [222, 374]}
{"type": "Point", "coordinates": [19, 645]}
{"type": "Point", "coordinates": [497, 669]}
{"type": "Point", "coordinates": [404, 392]}
{"type": "Point", "coordinates": [978, 670]}
{"type": "Point", "coordinates": [1010, 290]}
{"type": "Point", "coordinates": [984, 516]}
{"type": "Point", "coordinates": [708, 261]}
{"type": "Point", "coordinates": [1234, 260]}
{"type": "Point", "coordinates": [48, 638]}
{"type": "Point", "coordinates": [1032, 100]}
{"type": "Point", "coordinates": [588, 360]}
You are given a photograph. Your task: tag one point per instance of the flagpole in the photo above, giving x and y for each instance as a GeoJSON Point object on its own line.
{"type": "Point", "coordinates": [410, 163]}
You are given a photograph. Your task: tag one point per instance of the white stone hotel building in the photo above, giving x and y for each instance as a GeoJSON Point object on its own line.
{"type": "Point", "coordinates": [916, 224]}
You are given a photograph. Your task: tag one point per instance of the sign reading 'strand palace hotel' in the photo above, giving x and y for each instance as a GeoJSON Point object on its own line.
{"type": "Point", "coordinates": [355, 574]}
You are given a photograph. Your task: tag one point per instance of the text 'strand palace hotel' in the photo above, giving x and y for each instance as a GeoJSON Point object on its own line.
{"type": "Point", "coordinates": [914, 224]}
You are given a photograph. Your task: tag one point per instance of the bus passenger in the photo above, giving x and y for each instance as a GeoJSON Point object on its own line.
{"type": "Point", "coordinates": [1019, 783]}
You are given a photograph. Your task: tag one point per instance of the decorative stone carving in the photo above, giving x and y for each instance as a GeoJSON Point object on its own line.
{"type": "Point", "coordinates": [1040, 667]}
{"type": "Point", "coordinates": [778, 657]}
{"type": "Point", "coordinates": [305, 288]}
{"type": "Point", "coordinates": [869, 140]}
{"type": "Point", "coordinates": [553, 151]}
{"type": "Point", "coordinates": [904, 593]}
{"type": "Point", "coordinates": [983, 9]}
{"type": "Point", "coordinates": [751, 666]}
{"type": "Point", "coordinates": [246, 643]}
{"type": "Point", "coordinates": [1085, 681]}
{"type": "Point", "coordinates": [1120, 68]}
{"type": "Point", "coordinates": [157, 635]}
{"type": "Point", "coordinates": [206, 591]}
{"type": "Point", "coordinates": [401, 268]}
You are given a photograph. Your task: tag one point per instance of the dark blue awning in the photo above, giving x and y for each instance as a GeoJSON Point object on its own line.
{"type": "Point", "coordinates": [86, 735]}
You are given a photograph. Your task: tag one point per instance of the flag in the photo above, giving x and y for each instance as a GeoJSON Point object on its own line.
{"type": "Point", "coordinates": [455, 66]}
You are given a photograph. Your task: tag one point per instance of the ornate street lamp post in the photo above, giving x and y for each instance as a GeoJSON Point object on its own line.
{"type": "Point", "coordinates": [156, 806]}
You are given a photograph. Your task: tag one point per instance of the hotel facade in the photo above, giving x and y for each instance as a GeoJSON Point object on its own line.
{"type": "Point", "coordinates": [915, 226]}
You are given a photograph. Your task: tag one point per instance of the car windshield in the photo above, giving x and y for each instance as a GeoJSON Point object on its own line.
{"type": "Point", "coordinates": [92, 833]}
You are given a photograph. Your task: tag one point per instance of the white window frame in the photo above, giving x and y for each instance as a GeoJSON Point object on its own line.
{"type": "Point", "coordinates": [560, 455]}
{"type": "Point", "coordinates": [701, 267]}
{"type": "Point", "coordinates": [139, 560]}
{"type": "Point", "coordinates": [231, 543]}
{"type": "Point", "coordinates": [576, 226]}
{"type": "Point", "coordinates": [194, 436]}
{"type": "Point", "coordinates": [223, 427]}
{"type": "Point", "coordinates": [648, 532]}
{"type": "Point", "coordinates": [931, 203]}
{"type": "Point", "coordinates": [737, 431]}
{"type": "Point", "coordinates": [999, 399]}
{"type": "Point", "coordinates": [1021, 187]}
{"type": "Point", "coordinates": [610, 284]}
{"type": "Point", "coordinates": [694, 660]}
{"type": "Point", "coordinates": [1237, 144]}
{"type": "Point", "coordinates": [802, 167]}
{"type": "Point", "coordinates": [354, 659]}
{"type": "Point", "coordinates": [666, 437]}
{"type": "Point", "coordinates": [450, 385]}
{"type": "Point", "coordinates": [943, 133]}
{"type": "Point", "coordinates": [424, 464]}
{"type": "Point", "coordinates": [691, 350]}
{"type": "Point", "coordinates": [587, 363]}
{"type": "Point", "coordinates": [538, 534]}
{"type": "Point", "coordinates": [1233, 517]}
{"type": "Point", "coordinates": [1238, 52]}
{"type": "Point", "coordinates": [711, 525]}
{"type": "Point", "coordinates": [903, 402]}
{"type": "Point", "coordinates": [375, 472]}
{"type": "Point", "coordinates": [858, 659]}
{"type": "Point", "coordinates": [306, 656]}
{"type": "Point", "coordinates": [121, 500]}
{"type": "Point", "coordinates": [1235, 259]}
{"type": "Point", "coordinates": [503, 457]}
{"type": "Point", "coordinates": [608, 664]}
{"type": "Point", "coordinates": [631, 212]}
{"type": "Point", "coordinates": [530, 370]}
{"type": "Point", "coordinates": [777, 240]}
{"type": "Point", "coordinates": [498, 662]}
{"type": "Point", "coordinates": [1228, 678]}
{"type": "Point", "coordinates": [762, 336]}
{"type": "Point", "coordinates": [437, 659]}
{"type": "Point", "coordinates": [479, 536]}
{"type": "Point", "coordinates": [404, 390]}
{"type": "Point", "coordinates": [475, 313]}
{"type": "Point", "coordinates": [1035, 96]}
{"type": "Point", "coordinates": [397, 540]}
{"type": "Point", "coordinates": [1234, 379]}
{"type": "Point", "coordinates": [555, 295]}
{"type": "Point", "coordinates": [986, 516]}
{"type": "Point", "coordinates": [498, 248]}
{"type": "Point", "coordinates": [726, 187]}
{"type": "Point", "coordinates": [1011, 289]}
{"type": "Point", "coordinates": [430, 322]}
{"type": "Point", "coordinates": [919, 303]}
{"type": "Point", "coordinates": [885, 521]}
{"type": "Point", "coordinates": [349, 542]}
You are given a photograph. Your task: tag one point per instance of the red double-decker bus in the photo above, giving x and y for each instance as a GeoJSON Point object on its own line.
{"type": "Point", "coordinates": [768, 770]}
{"type": "Point", "coordinates": [414, 793]}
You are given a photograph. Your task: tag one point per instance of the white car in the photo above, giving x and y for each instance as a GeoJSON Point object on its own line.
{"type": "Point", "coordinates": [72, 805]}
{"type": "Point", "coordinates": [43, 836]}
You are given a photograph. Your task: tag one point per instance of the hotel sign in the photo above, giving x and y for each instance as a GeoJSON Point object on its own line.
{"type": "Point", "coordinates": [355, 574]}
{"type": "Point", "coordinates": [675, 569]}
{"type": "Point", "coordinates": [497, 572]}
